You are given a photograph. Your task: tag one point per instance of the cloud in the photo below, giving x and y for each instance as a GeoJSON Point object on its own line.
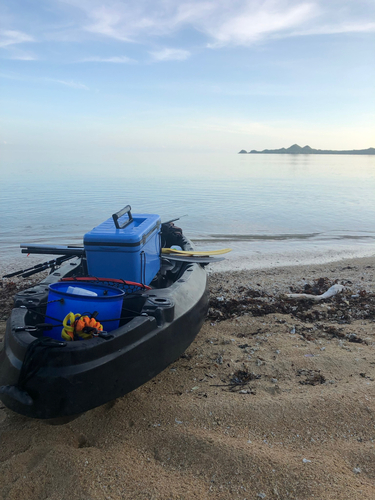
{"type": "Point", "coordinates": [335, 29]}
{"type": "Point", "coordinates": [11, 37]}
{"type": "Point", "coordinates": [109, 22]}
{"type": "Point", "coordinates": [170, 55]}
{"type": "Point", "coordinates": [67, 83]}
{"type": "Point", "coordinates": [240, 22]}
{"type": "Point", "coordinates": [15, 54]}
{"type": "Point", "coordinates": [130, 21]}
{"type": "Point", "coordinates": [74, 85]}
{"type": "Point", "coordinates": [252, 24]}
{"type": "Point", "coordinates": [221, 23]}
{"type": "Point", "coordinates": [23, 57]}
{"type": "Point", "coordinates": [114, 59]}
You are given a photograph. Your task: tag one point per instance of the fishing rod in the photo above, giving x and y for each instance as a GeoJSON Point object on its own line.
{"type": "Point", "coordinates": [25, 273]}
{"type": "Point", "coordinates": [16, 273]}
{"type": "Point", "coordinates": [53, 249]}
{"type": "Point", "coordinates": [174, 220]}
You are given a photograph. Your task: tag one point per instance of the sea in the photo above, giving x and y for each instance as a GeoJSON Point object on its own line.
{"type": "Point", "coordinates": [271, 210]}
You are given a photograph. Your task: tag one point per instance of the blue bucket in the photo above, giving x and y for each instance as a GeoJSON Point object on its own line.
{"type": "Point", "coordinates": [85, 299]}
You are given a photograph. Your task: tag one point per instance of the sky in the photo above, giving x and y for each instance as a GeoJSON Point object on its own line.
{"type": "Point", "coordinates": [175, 75]}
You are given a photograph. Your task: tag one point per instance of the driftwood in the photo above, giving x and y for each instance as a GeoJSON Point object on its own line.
{"type": "Point", "coordinates": [307, 296]}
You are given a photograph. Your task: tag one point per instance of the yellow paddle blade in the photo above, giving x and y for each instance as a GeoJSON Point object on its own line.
{"type": "Point", "coordinates": [193, 252]}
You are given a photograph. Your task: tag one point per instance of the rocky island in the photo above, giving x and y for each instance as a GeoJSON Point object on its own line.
{"type": "Point", "coordinates": [306, 150]}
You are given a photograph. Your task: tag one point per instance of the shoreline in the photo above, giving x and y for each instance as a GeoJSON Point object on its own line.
{"type": "Point", "coordinates": [242, 257]}
{"type": "Point", "coordinates": [261, 260]}
{"type": "Point", "coordinates": [344, 268]}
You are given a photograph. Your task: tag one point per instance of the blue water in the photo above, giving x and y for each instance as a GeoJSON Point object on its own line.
{"type": "Point", "coordinates": [279, 208]}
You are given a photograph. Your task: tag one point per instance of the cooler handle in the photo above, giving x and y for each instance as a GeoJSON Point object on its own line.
{"type": "Point", "coordinates": [119, 214]}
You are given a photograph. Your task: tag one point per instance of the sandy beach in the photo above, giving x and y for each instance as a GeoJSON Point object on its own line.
{"type": "Point", "coordinates": [275, 399]}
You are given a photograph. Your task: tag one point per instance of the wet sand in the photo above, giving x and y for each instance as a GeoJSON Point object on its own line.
{"type": "Point", "coordinates": [275, 399]}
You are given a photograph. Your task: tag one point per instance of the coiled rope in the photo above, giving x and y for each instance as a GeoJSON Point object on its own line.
{"type": "Point", "coordinates": [81, 326]}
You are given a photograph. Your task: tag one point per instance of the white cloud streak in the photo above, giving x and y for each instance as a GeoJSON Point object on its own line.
{"type": "Point", "coordinates": [72, 84]}
{"type": "Point", "coordinates": [170, 55]}
{"type": "Point", "coordinates": [132, 22]}
{"type": "Point", "coordinates": [254, 24]}
{"type": "Point", "coordinates": [332, 29]}
{"type": "Point", "coordinates": [66, 83]}
{"type": "Point", "coordinates": [12, 37]}
{"type": "Point", "coordinates": [222, 23]}
{"type": "Point", "coordinates": [241, 22]}
{"type": "Point", "coordinates": [23, 57]}
{"type": "Point", "coordinates": [114, 59]}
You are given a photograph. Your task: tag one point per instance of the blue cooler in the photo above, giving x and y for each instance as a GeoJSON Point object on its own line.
{"type": "Point", "coordinates": [125, 246]}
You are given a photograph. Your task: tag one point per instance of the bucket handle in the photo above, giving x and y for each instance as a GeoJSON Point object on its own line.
{"type": "Point", "coordinates": [119, 214]}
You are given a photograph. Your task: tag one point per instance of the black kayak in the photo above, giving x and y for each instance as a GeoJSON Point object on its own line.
{"type": "Point", "coordinates": [49, 378]}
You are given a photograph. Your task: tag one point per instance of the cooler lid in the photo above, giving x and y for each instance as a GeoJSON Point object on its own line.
{"type": "Point", "coordinates": [134, 234]}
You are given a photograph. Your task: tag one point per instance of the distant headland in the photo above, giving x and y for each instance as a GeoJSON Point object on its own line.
{"type": "Point", "coordinates": [297, 150]}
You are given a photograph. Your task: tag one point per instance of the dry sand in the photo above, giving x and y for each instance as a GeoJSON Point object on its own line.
{"type": "Point", "coordinates": [277, 406]}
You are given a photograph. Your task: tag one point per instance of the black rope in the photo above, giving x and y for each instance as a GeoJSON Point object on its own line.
{"type": "Point", "coordinates": [44, 316]}
{"type": "Point", "coordinates": [135, 314]}
{"type": "Point", "coordinates": [46, 303]}
{"type": "Point", "coordinates": [36, 355]}
{"type": "Point", "coordinates": [51, 301]}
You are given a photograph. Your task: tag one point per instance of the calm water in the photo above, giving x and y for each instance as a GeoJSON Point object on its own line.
{"type": "Point", "coordinates": [269, 208]}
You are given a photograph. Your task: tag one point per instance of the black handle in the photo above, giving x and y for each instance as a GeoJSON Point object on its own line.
{"type": "Point", "coordinates": [116, 216]}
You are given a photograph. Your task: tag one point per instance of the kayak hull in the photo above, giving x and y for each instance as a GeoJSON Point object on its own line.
{"type": "Point", "coordinates": [72, 378]}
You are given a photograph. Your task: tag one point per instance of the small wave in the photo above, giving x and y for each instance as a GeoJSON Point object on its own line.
{"type": "Point", "coordinates": [280, 237]}
{"type": "Point", "coordinates": [254, 237]}
{"type": "Point", "coordinates": [352, 237]}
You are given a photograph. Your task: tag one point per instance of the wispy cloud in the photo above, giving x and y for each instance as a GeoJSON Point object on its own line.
{"type": "Point", "coordinates": [170, 55]}
{"type": "Point", "coordinates": [13, 76]}
{"type": "Point", "coordinates": [219, 22]}
{"type": "Point", "coordinates": [71, 83]}
{"type": "Point", "coordinates": [15, 53]}
{"type": "Point", "coordinates": [241, 22]}
{"type": "Point", "coordinates": [114, 59]}
{"type": "Point", "coordinates": [23, 57]}
{"type": "Point", "coordinates": [11, 37]}
{"type": "Point", "coordinates": [109, 22]}
{"type": "Point", "coordinates": [330, 29]}
{"type": "Point", "coordinates": [253, 24]}
{"type": "Point", "coordinates": [67, 83]}
{"type": "Point", "coordinates": [133, 22]}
